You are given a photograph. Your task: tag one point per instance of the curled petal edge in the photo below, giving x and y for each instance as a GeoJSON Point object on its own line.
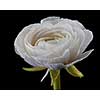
{"type": "Point", "coordinates": [80, 58]}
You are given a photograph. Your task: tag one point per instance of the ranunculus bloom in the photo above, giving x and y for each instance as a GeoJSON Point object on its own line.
{"type": "Point", "coordinates": [54, 43]}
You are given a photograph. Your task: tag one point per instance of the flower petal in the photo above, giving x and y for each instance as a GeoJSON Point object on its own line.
{"type": "Point", "coordinates": [77, 42]}
{"type": "Point", "coordinates": [32, 61]}
{"type": "Point", "coordinates": [74, 23]}
{"type": "Point", "coordinates": [55, 66]}
{"type": "Point", "coordinates": [66, 27]}
{"type": "Point", "coordinates": [87, 40]}
{"type": "Point", "coordinates": [81, 57]}
{"type": "Point", "coordinates": [60, 59]}
{"type": "Point", "coordinates": [79, 34]}
{"type": "Point", "coordinates": [52, 20]}
{"type": "Point", "coordinates": [74, 49]}
{"type": "Point", "coordinates": [35, 62]}
{"type": "Point", "coordinates": [19, 41]}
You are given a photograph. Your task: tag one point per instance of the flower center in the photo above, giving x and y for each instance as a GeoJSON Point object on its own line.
{"type": "Point", "coordinates": [55, 37]}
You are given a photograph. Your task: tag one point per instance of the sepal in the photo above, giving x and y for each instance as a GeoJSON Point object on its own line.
{"type": "Point", "coordinates": [33, 69]}
{"type": "Point", "coordinates": [72, 70]}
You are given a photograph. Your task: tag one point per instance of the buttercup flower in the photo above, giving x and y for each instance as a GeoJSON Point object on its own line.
{"type": "Point", "coordinates": [54, 43]}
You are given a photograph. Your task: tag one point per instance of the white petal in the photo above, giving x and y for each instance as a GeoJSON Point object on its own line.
{"type": "Point", "coordinates": [74, 49]}
{"type": "Point", "coordinates": [19, 41]}
{"type": "Point", "coordinates": [54, 30]}
{"type": "Point", "coordinates": [79, 34]}
{"type": "Point", "coordinates": [34, 35]}
{"type": "Point", "coordinates": [87, 40]}
{"type": "Point", "coordinates": [35, 51]}
{"type": "Point", "coordinates": [65, 26]}
{"type": "Point", "coordinates": [74, 23]}
{"type": "Point", "coordinates": [59, 59]}
{"type": "Point", "coordinates": [63, 58]}
{"type": "Point", "coordinates": [75, 43]}
{"type": "Point", "coordinates": [79, 40]}
{"type": "Point", "coordinates": [32, 61]}
{"type": "Point", "coordinates": [54, 66]}
{"type": "Point", "coordinates": [58, 54]}
{"type": "Point", "coordinates": [52, 20]}
{"type": "Point", "coordinates": [81, 57]}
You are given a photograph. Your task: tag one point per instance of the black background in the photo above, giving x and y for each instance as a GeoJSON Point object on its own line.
{"type": "Point", "coordinates": [12, 77]}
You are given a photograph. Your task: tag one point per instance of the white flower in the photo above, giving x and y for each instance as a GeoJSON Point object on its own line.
{"type": "Point", "coordinates": [54, 43]}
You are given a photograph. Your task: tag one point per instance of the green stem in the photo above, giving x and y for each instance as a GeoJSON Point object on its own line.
{"type": "Point", "coordinates": [56, 83]}
{"type": "Point", "coordinates": [55, 79]}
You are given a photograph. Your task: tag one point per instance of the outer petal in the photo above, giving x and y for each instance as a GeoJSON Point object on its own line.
{"type": "Point", "coordinates": [87, 40]}
{"type": "Point", "coordinates": [80, 34]}
{"type": "Point", "coordinates": [74, 23]}
{"type": "Point", "coordinates": [60, 59]}
{"type": "Point", "coordinates": [55, 66]}
{"type": "Point", "coordinates": [32, 61]}
{"type": "Point", "coordinates": [35, 63]}
{"type": "Point", "coordinates": [75, 47]}
{"type": "Point", "coordinates": [66, 27]}
{"type": "Point", "coordinates": [19, 41]}
{"type": "Point", "coordinates": [63, 58]}
{"type": "Point", "coordinates": [81, 57]}
{"type": "Point", "coordinates": [52, 20]}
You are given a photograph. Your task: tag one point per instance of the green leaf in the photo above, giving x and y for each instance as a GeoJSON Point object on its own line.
{"type": "Point", "coordinates": [72, 70]}
{"type": "Point", "coordinates": [54, 75]}
{"type": "Point", "coordinates": [34, 69]}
